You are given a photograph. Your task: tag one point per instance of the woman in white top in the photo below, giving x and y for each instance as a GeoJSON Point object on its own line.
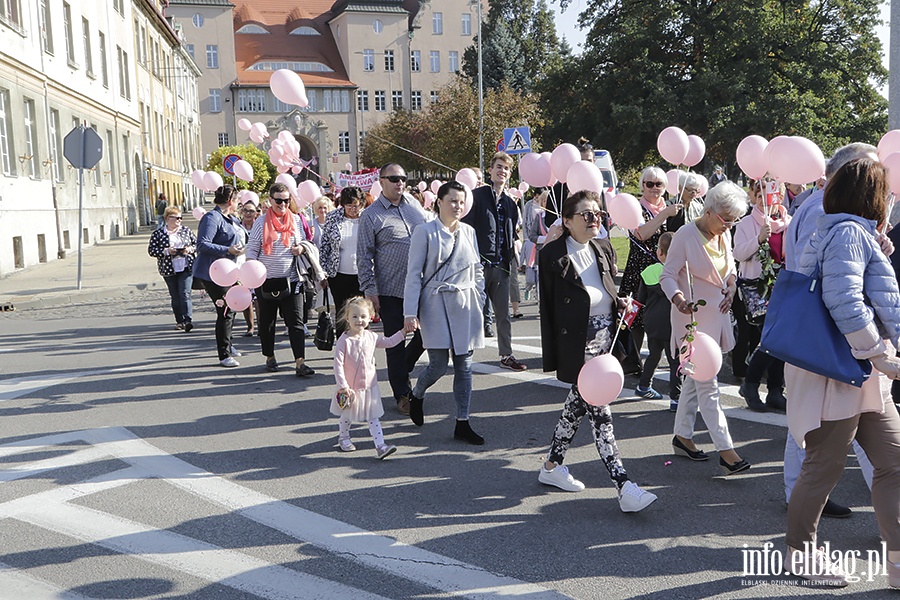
{"type": "Point", "coordinates": [338, 248]}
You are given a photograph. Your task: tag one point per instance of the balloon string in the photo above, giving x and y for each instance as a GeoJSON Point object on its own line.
{"type": "Point", "coordinates": [619, 327]}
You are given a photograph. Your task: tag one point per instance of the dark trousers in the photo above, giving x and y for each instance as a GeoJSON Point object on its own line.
{"type": "Point", "coordinates": [765, 364]}
{"type": "Point", "coordinates": [746, 341]}
{"type": "Point", "coordinates": [342, 287]}
{"type": "Point", "coordinates": [657, 346]}
{"type": "Point", "coordinates": [224, 318]}
{"type": "Point", "coordinates": [291, 307]}
{"type": "Point", "coordinates": [401, 359]}
{"type": "Point", "coordinates": [496, 287]}
{"type": "Point", "coordinates": [179, 286]}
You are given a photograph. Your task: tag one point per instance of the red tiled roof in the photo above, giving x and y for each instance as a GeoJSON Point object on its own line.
{"type": "Point", "coordinates": [280, 17]}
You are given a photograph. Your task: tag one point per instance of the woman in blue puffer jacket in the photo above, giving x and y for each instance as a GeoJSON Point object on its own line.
{"type": "Point", "coordinates": [860, 291]}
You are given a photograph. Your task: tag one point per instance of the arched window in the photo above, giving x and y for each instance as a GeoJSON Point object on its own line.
{"type": "Point", "coordinates": [251, 28]}
{"type": "Point", "coordinates": [304, 30]}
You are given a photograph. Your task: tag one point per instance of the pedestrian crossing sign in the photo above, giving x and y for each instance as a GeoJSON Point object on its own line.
{"type": "Point", "coordinates": [517, 140]}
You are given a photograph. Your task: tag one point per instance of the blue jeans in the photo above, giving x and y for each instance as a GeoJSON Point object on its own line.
{"type": "Point", "coordinates": [462, 378]}
{"type": "Point", "coordinates": [180, 291]}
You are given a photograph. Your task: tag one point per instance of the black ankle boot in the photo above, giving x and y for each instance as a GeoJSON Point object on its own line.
{"type": "Point", "coordinates": [416, 412]}
{"type": "Point", "coordinates": [750, 393]}
{"type": "Point", "coordinates": [465, 433]}
{"type": "Point", "coordinates": [775, 400]}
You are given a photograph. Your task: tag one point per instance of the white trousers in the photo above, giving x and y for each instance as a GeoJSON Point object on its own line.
{"type": "Point", "coordinates": [702, 396]}
{"type": "Point", "coordinates": [794, 456]}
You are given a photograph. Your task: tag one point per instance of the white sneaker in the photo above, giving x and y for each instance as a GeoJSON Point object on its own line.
{"type": "Point", "coordinates": [229, 362]}
{"type": "Point", "coordinates": [816, 567]}
{"type": "Point", "coordinates": [561, 478]}
{"type": "Point", "coordinates": [632, 498]}
{"type": "Point", "coordinates": [346, 444]}
{"type": "Point", "coordinates": [384, 451]}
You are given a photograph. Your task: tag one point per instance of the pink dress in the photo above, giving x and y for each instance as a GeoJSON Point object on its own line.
{"type": "Point", "coordinates": [354, 368]}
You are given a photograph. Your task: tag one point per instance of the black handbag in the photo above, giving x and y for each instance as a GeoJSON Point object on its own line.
{"type": "Point", "coordinates": [324, 339]}
{"type": "Point", "coordinates": [275, 288]}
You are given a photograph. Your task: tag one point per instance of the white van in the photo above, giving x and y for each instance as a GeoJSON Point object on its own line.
{"type": "Point", "coordinates": [603, 160]}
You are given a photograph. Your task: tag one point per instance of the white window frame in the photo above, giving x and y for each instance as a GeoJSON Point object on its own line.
{"type": "Point", "coordinates": [344, 142]}
{"type": "Point", "coordinates": [415, 61]}
{"type": "Point", "coordinates": [56, 146]}
{"type": "Point", "coordinates": [437, 23]}
{"type": "Point", "coordinates": [453, 61]}
{"type": "Point", "coordinates": [380, 98]}
{"type": "Point", "coordinates": [415, 100]}
{"type": "Point", "coordinates": [362, 100]}
{"type": "Point", "coordinates": [466, 24]}
{"type": "Point", "coordinates": [215, 100]}
{"type": "Point", "coordinates": [434, 60]}
{"type": "Point", "coordinates": [212, 56]}
{"type": "Point", "coordinates": [368, 60]}
{"type": "Point", "coordinates": [31, 137]}
{"type": "Point", "coordinates": [397, 100]}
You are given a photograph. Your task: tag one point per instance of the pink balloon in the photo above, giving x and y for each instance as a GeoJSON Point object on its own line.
{"type": "Point", "coordinates": [600, 380]}
{"type": "Point", "coordinates": [288, 87]}
{"type": "Point", "coordinates": [751, 156]}
{"type": "Point", "coordinates": [244, 124]}
{"type": "Point", "coordinates": [891, 162]}
{"type": "Point", "coordinates": [252, 273]}
{"type": "Point", "coordinates": [535, 170]}
{"type": "Point", "coordinates": [238, 298]}
{"type": "Point", "coordinates": [434, 186]}
{"type": "Point", "coordinates": [296, 169]}
{"type": "Point", "coordinates": [704, 184]}
{"type": "Point", "coordinates": [212, 180]}
{"type": "Point", "coordinates": [244, 170]}
{"type": "Point", "coordinates": [375, 190]}
{"type": "Point", "coordinates": [673, 145]}
{"type": "Point", "coordinates": [197, 179]}
{"type": "Point", "coordinates": [251, 197]}
{"type": "Point", "coordinates": [285, 136]}
{"type": "Point", "coordinates": [467, 177]}
{"type": "Point", "coordinates": [469, 200]}
{"type": "Point", "coordinates": [774, 153]}
{"type": "Point", "coordinates": [625, 211]}
{"type": "Point", "coordinates": [256, 136]}
{"type": "Point", "coordinates": [889, 143]}
{"type": "Point", "coordinates": [584, 175]}
{"type": "Point", "coordinates": [349, 166]}
{"type": "Point", "coordinates": [672, 176]}
{"type": "Point", "coordinates": [198, 212]}
{"type": "Point", "coordinates": [309, 191]}
{"type": "Point", "coordinates": [223, 272]}
{"type": "Point", "coordinates": [523, 187]}
{"type": "Point", "coordinates": [288, 181]}
{"type": "Point", "coordinates": [696, 150]}
{"type": "Point", "coordinates": [422, 186]}
{"type": "Point", "coordinates": [514, 192]}
{"type": "Point", "coordinates": [429, 198]}
{"type": "Point", "coordinates": [798, 160]}
{"type": "Point", "coordinates": [561, 160]}
{"type": "Point", "coordinates": [707, 357]}
{"type": "Point", "coordinates": [282, 169]}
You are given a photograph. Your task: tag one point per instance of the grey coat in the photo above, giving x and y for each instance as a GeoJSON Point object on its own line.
{"type": "Point", "coordinates": [858, 282]}
{"type": "Point", "coordinates": [449, 308]}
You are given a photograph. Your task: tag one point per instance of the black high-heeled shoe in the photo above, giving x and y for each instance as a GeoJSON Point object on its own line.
{"type": "Point", "coordinates": [680, 449]}
{"type": "Point", "coordinates": [732, 469]}
{"type": "Point", "coordinates": [464, 432]}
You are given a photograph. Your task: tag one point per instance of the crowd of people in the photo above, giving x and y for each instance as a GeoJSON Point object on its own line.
{"type": "Point", "coordinates": [441, 280]}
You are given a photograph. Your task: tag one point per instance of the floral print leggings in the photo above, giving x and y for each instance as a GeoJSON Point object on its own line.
{"type": "Point", "coordinates": [575, 408]}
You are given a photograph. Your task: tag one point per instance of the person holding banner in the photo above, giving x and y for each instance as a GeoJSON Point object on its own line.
{"type": "Point", "coordinates": [699, 266]}
{"type": "Point", "coordinates": [578, 321]}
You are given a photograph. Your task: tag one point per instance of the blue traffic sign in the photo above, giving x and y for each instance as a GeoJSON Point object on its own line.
{"type": "Point", "coordinates": [517, 140]}
{"type": "Point", "coordinates": [228, 163]}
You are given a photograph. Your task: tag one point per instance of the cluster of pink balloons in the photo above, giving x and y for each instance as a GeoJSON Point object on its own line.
{"type": "Point", "coordinates": [535, 170]}
{"type": "Point", "coordinates": [889, 154]}
{"type": "Point", "coordinates": [226, 273]}
{"type": "Point", "coordinates": [793, 159]}
{"type": "Point", "coordinates": [208, 181]}
{"type": "Point", "coordinates": [679, 148]}
{"type": "Point", "coordinates": [245, 196]}
{"type": "Point", "coordinates": [258, 131]}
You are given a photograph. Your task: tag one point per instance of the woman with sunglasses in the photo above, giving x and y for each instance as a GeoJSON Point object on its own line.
{"type": "Point", "coordinates": [700, 266]}
{"type": "Point", "coordinates": [173, 245]}
{"type": "Point", "coordinates": [642, 253]}
{"type": "Point", "coordinates": [277, 240]}
{"type": "Point", "coordinates": [578, 318]}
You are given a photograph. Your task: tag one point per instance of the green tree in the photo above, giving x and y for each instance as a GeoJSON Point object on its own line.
{"type": "Point", "coordinates": [264, 171]}
{"type": "Point", "coordinates": [520, 45]}
{"type": "Point", "coordinates": [397, 139]}
{"type": "Point", "coordinates": [720, 69]}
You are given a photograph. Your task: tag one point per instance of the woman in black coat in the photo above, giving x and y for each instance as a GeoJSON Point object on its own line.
{"type": "Point", "coordinates": [578, 318]}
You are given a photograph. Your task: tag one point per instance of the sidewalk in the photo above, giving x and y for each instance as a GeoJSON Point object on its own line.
{"type": "Point", "coordinates": [113, 269]}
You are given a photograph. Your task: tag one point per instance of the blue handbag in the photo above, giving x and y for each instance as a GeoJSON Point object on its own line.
{"type": "Point", "coordinates": [800, 331]}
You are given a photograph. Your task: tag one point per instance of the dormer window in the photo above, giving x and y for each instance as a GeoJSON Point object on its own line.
{"type": "Point", "coordinates": [304, 30]}
{"type": "Point", "coordinates": [252, 29]}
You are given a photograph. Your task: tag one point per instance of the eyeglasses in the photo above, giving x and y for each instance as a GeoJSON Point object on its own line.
{"type": "Point", "coordinates": [654, 184]}
{"type": "Point", "coordinates": [728, 224]}
{"type": "Point", "coordinates": [590, 216]}
{"type": "Point", "coordinates": [395, 178]}
{"type": "Point", "coordinates": [692, 190]}
{"type": "Point", "coordinates": [174, 217]}
{"type": "Point", "coordinates": [354, 206]}
{"type": "Point", "coordinates": [249, 211]}
{"type": "Point", "coordinates": [281, 200]}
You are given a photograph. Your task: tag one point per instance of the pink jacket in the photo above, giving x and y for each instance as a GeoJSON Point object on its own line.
{"type": "Point", "coordinates": [354, 358]}
{"type": "Point", "coordinates": [687, 249]}
{"type": "Point", "coordinates": [746, 241]}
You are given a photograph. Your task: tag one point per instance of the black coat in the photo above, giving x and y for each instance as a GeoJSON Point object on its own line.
{"type": "Point", "coordinates": [566, 305]}
{"type": "Point", "coordinates": [483, 218]}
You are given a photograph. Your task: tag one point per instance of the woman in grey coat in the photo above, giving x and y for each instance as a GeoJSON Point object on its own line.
{"type": "Point", "coordinates": [444, 296]}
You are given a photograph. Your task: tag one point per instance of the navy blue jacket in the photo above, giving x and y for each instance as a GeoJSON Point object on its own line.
{"type": "Point", "coordinates": [483, 218]}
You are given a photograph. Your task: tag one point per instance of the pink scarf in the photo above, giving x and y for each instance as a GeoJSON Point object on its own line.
{"type": "Point", "coordinates": [653, 209]}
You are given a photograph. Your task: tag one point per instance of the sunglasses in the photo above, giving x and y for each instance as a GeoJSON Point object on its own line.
{"type": "Point", "coordinates": [654, 184]}
{"type": "Point", "coordinates": [590, 216]}
{"type": "Point", "coordinates": [395, 178]}
{"type": "Point", "coordinates": [176, 218]}
{"type": "Point", "coordinates": [281, 200]}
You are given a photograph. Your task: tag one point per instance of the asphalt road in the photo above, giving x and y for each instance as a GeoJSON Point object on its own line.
{"type": "Point", "coordinates": [132, 466]}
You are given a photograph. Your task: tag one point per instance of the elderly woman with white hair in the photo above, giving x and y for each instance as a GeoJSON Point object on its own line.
{"type": "Point", "coordinates": [689, 198]}
{"type": "Point", "coordinates": [644, 241]}
{"type": "Point", "coordinates": [700, 266]}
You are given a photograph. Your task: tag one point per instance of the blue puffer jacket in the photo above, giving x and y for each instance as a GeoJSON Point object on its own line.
{"type": "Point", "coordinates": [858, 283]}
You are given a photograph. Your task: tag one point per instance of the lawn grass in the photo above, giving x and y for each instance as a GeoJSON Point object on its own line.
{"type": "Point", "coordinates": [621, 246]}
